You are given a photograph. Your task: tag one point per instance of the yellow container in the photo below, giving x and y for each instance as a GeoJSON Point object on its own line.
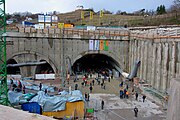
{"type": "Point", "coordinates": [66, 25]}
{"type": "Point", "coordinates": [74, 109]}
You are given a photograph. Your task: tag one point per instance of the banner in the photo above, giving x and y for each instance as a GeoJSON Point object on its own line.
{"type": "Point", "coordinates": [101, 46]}
{"type": "Point", "coordinates": [96, 45]}
{"type": "Point", "coordinates": [106, 45]}
{"type": "Point", "coordinates": [91, 44]}
{"type": "Point", "coordinates": [82, 14]}
{"type": "Point", "coordinates": [91, 15]}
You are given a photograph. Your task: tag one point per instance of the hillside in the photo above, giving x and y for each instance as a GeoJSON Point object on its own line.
{"type": "Point", "coordinates": [74, 17]}
{"type": "Point", "coordinates": [120, 20]}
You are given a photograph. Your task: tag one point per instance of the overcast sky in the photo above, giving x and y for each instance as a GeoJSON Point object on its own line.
{"type": "Point", "coordinates": [37, 6]}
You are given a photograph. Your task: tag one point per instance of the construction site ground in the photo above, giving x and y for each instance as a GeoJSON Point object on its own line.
{"type": "Point", "coordinates": [114, 107]}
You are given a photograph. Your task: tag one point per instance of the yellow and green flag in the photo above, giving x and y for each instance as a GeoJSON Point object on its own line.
{"type": "Point", "coordinates": [91, 15]}
{"type": "Point", "coordinates": [101, 13]}
{"type": "Point", "coordinates": [82, 14]}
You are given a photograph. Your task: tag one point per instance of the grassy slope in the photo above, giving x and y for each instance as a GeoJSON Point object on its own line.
{"type": "Point", "coordinates": [121, 20]}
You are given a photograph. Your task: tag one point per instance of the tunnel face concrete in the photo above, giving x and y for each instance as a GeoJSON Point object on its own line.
{"type": "Point", "coordinates": [95, 63]}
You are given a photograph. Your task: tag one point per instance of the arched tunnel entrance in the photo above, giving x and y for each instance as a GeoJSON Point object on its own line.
{"type": "Point", "coordinates": [95, 63]}
{"type": "Point", "coordinates": [44, 68]}
{"type": "Point", "coordinates": [12, 70]}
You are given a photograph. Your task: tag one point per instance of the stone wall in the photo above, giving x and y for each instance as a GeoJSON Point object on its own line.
{"type": "Point", "coordinates": [159, 56]}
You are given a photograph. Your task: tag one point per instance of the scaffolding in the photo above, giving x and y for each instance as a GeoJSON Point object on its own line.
{"type": "Point", "coordinates": [3, 69]}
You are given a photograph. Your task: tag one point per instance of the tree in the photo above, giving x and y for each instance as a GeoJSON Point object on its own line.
{"type": "Point", "coordinates": [161, 10]}
{"type": "Point", "coordinates": [8, 16]}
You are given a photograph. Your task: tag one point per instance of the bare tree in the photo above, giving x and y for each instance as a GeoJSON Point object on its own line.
{"type": "Point", "coordinates": [176, 6]}
{"type": "Point", "coordinates": [107, 11]}
{"type": "Point", "coordinates": [118, 12]}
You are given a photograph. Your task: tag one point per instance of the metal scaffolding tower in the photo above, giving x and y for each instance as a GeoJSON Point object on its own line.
{"type": "Point", "coordinates": [3, 69]}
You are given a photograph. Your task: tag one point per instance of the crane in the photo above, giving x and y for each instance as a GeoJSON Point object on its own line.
{"type": "Point", "coordinates": [3, 68]}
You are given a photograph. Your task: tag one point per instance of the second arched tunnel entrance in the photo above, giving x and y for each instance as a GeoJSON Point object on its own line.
{"type": "Point", "coordinates": [96, 63]}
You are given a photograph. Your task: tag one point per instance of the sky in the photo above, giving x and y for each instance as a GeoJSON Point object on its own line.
{"type": "Point", "coordinates": [63, 6]}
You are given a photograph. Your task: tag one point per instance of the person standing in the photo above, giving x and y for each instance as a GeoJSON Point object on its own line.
{"type": "Point", "coordinates": [85, 95]}
{"type": "Point", "coordinates": [19, 85]}
{"type": "Point", "coordinates": [121, 94]}
{"type": "Point", "coordinates": [90, 88]}
{"type": "Point", "coordinates": [102, 104]}
{"type": "Point", "coordinates": [76, 86]}
{"type": "Point", "coordinates": [23, 89]}
{"type": "Point", "coordinates": [136, 96]}
{"type": "Point", "coordinates": [125, 93]}
{"type": "Point", "coordinates": [88, 97]}
{"type": "Point", "coordinates": [45, 91]}
{"type": "Point", "coordinates": [109, 79]}
{"type": "Point", "coordinates": [82, 84]}
{"type": "Point", "coordinates": [127, 86]}
{"type": "Point", "coordinates": [40, 86]}
{"type": "Point", "coordinates": [136, 111]}
{"type": "Point", "coordinates": [144, 97]}
{"type": "Point", "coordinates": [93, 82]}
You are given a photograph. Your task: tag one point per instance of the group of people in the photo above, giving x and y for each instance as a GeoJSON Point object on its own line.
{"type": "Point", "coordinates": [125, 94]}
{"type": "Point", "coordinates": [19, 87]}
{"type": "Point", "coordinates": [91, 83]}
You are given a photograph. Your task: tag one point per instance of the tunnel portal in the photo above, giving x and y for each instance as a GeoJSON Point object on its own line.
{"type": "Point", "coordinates": [96, 63]}
{"type": "Point", "coordinates": [12, 70]}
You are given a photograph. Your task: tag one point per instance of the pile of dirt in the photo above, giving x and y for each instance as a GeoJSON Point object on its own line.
{"type": "Point", "coordinates": [8, 113]}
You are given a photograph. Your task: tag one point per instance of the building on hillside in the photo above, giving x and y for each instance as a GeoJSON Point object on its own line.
{"type": "Point", "coordinates": [48, 21]}
{"type": "Point", "coordinates": [79, 7]}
